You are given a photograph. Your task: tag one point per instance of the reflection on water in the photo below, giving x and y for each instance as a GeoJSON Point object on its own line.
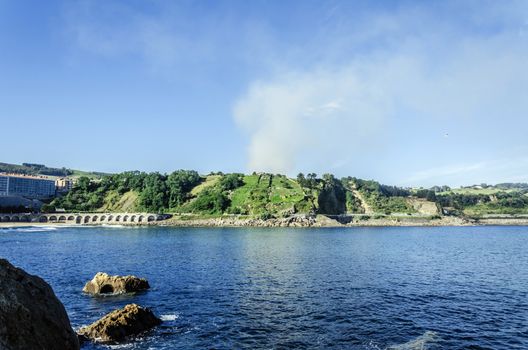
{"type": "Point", "coordinates": [358, 288]}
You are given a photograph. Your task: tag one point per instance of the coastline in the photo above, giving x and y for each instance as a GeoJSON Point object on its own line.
{"type": "Point", "coordinates": [299, 222]}
{"type": "Point", "coordinates": [323, 221]}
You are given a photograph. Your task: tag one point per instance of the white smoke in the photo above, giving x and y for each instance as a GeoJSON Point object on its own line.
{"type": "Point", "coordinates": [301, 115]}
{"type": "Point", "coordinates": [337, 115]}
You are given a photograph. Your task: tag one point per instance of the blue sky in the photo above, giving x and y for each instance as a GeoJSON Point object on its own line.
{"type": "Point", "coordinates": [407, 93]}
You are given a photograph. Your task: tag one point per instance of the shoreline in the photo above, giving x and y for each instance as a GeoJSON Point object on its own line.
{"type": "Point", "coordinates": [320, 221]}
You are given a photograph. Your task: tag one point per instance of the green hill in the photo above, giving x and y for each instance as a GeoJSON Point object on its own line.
{"type": "Point", "coordinates": [41, 169]}
{"type": "Point", "coordinates": [186, 193]}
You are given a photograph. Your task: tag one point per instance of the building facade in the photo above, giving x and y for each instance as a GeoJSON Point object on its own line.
{"type": "Point", "coordinates": [4, 184]}
{"type": "Point", "coordinates": [63, 184]}
{"type": "Point", "coordinates": [31, 187]}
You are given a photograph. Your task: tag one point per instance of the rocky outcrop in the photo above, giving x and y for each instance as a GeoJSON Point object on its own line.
{"type": "Point", "coordinates": [119, 324]}
{"type": "Point", "coordinates": [299, 220]}
{"type": "Point", "coordinates": [103, 283]}
{"type": "Point", "coordinates": [291, 221]}
{"type": "Point", "coordinates": [31, 316]}
{"type": "Point", "coordinates": [332, 199]}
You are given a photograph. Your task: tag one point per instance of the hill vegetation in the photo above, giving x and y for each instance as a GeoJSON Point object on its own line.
{"type": "Point", "coordinates": [34, 169]}
{"type": "Point", "coordinates": [41, 169]}
{"type": "Point", "coordinates": [263, 195]}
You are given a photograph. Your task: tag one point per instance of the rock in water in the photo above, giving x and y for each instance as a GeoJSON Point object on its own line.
{"type": "Point", "coordinates": [31, 316]}
{"type": "Point", "coordinates": [119, 324]}
{"type": "Point", "coordinates": [103, 283]}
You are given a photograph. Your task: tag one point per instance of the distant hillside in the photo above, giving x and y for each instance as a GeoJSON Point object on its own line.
{"type": "Point", "coordinates": [481, 200]}
{"type": "Point", "coordinates": [263, 195]}
{"type": "Point", "coordinates": [41, 169]}
{"type": "Point", "coordinates": [258, 195]}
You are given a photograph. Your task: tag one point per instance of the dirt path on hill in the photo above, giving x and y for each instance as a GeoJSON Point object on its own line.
{"type": "Point", "coordinates": [364, 204]}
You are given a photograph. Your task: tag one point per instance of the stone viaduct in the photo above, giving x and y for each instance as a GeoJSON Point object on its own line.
{"type": "Point", "coordinates": [85, 218]}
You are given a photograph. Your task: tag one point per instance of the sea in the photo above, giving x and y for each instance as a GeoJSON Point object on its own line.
{"type": "Point", "coordinates": [294, 288]}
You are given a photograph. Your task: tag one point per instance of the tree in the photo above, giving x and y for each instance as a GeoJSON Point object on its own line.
{"type": "Point", "coordinates": [329, 178]}
{"type": "Point", "coordinates": [154, 194]}
{"type": "Point", "coordinates": [231, 182]}
{"type": "Point", "coordinates": [211, 200]}
{"type": "Point", "coordinates": [179, 184]}
{"type": "Point", "coordinates": [301, 180]}
{"type": "Point", "coordinates": [311, 180]}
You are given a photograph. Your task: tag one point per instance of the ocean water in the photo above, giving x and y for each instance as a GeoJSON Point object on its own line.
{"type": "Point", "coordinates": [350, 288]}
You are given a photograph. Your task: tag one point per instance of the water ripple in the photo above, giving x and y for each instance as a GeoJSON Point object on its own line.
{"type": "Point", "coordinates": [364, 288]}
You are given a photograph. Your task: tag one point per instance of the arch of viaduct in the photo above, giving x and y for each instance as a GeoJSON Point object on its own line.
{"type": "Point", "coordinates": [85, 218]}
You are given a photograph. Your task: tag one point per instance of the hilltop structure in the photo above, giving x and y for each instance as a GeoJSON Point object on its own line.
{"type": "Point", "coordinates": [30, 187]}
{"type": "Point", "coordinates": [63, 184]}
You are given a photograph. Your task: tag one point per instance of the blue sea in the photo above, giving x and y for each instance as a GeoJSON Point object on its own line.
{"type": "Point", "coordinates": [335, 288]}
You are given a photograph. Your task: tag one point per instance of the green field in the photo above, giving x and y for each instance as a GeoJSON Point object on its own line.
{"type": "Point", "coordinates": [209, 181]}
{"type": "Point", "coordinates": [89, 174]}
{"type": "Point", "coordinates": [267, 193]}
{"type": "Point", "coordinates": [486, 191]}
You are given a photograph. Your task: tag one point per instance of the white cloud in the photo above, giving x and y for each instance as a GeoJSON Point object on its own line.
{"type": "Point", "coordinates": [512, 169]}
{"type": "Point", "coordinates": [445, 173]}
{"type": "Point", "coordinates": [351, 90]}
{"type": "Point", "coordinates": [429, 74]}
{"type": "Point", "coordinates": [162, 38]}
{"type": "Point", "coordinates": [291, 118]}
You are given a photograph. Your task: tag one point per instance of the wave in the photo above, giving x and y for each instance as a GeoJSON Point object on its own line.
{"type": "Point", "coordinates": [29, 229]}
{"type": "Point", "coordinates": [420, 343]}
{"type": "Point", "coordinates": [169, 317]}
{"type": "Point", "coordinates": [120, 346]}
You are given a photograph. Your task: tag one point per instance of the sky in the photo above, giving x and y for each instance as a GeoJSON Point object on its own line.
{"type": "Point", "coordinates": [409, 93]}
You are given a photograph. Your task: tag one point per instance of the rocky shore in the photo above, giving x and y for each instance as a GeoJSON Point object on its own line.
{"type": "Point", "coordinates": [33, 318]}
{"type": "Point", "coordinates": [103, 284]}
{"type": "Point", "coordinates": [119, 324]}
{"type": "Point", "coordinates": [324, 221]}
{"type": "Point", "coordinates": [306, 221]}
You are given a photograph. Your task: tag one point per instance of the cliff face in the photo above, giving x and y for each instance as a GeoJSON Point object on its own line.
{"type": "Point", "coordinates": [31, 316]}
{"type": "Point", "coordinates": [332, 200]}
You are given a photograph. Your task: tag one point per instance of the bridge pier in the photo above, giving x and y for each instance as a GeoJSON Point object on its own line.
{"type": "Point", "coordinates": [85, 218]}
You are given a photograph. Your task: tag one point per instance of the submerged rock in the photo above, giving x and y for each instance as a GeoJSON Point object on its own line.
{"type": "Point", "coordinates": [121, 323]}
{"type": "Point", "coordinates": [31, 316]}
{"type": "Point", "coordinates": [103, 283]}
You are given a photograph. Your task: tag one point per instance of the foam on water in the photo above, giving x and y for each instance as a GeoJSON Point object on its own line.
{"type": "Point", "coordinates": [169, 317]}
{"type": "Point", "coordinates": [28, 229]}
{"type": "Point", "coordinates": [120, 346]}
{"type": "Point", "coordinates": [113, 226]}
{"type": "Point", "coordinates": [420, 343]}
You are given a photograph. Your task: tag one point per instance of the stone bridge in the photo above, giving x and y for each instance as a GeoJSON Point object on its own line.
{"type": "Point", "coordinates": [85, 218]}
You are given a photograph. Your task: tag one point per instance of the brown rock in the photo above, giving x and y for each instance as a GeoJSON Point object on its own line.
{"type": "Point", "coordinates": [31, 316]}
{"type": "Point", "coordinates": [102, 283]}
{"type": "Point", "coordinates": [121, 323]}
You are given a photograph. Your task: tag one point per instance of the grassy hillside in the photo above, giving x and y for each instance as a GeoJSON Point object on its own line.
{"type": "Point", "coordinates": [486, 202]}
{"type": "Point", "coordinates": [267, 193]}
{"type": "Point", "coordinates": [41, 169]}
{"type": "Point", "coordinates": [207, 182]}
{"type": "Point", "coordinates": [116, 202]}
{"type": "Point", "coordinates": [90, 174]}
{"type": "Point", "coordinates": [381, 198]}
{"type": "Point", "coordinates": [34, 169]}
{"type": "Point", "coordinates": [264, 195]}
{"type": "Point", "coordinates": [479, 200]}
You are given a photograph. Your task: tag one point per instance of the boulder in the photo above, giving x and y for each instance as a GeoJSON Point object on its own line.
{"type": "Point", "coordinates": [31, 316]}
{"type": "Point", "coordinates": [102, 283]}
{"type": "Point", "coordinates": [121, 323]}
